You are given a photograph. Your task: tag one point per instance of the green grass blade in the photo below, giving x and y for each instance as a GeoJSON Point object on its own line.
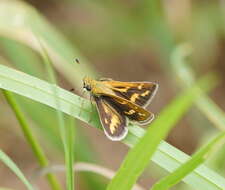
{"type": "Point", "coordinates": [32, 141]}
{"type": "Point", "coordinates": [170, 158]}
{"type": "Point", "coordinates": [70, 142]}
{"type": "Point", "coordinates": [197, 159]}
{"type": "Point", "coordinates": [166, 156]}
{"type": "Point", "coordinates": [139, 156]}
{"type": "Point", "coordinates": [65, 131]}
{"type": "Point", "coordinates": [185, 76]}
{"type": "Point", "coordinates": [8, 162]}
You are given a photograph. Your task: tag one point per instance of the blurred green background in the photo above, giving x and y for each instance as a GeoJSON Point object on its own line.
{"type": "Point", "coordinates": [126, 40]}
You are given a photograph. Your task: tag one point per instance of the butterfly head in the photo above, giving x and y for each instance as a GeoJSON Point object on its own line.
{"type": "Point", "coordinates": [88, 83]}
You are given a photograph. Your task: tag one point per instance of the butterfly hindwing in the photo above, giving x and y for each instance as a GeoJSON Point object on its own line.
{"type": "Point", "coordinates": [139, 93]}
{"type": "Point", "coordinates": [132, 111]}
{"type": "Point", "coordinates": [113, 121]}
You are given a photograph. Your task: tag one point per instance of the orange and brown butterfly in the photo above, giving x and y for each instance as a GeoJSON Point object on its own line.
{"type": "Point", "coordinates": [119, 101]}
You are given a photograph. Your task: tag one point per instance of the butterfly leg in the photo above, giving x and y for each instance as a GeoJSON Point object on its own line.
{"type": "Point", "coordinates": [82, 104]}
{"type": "Point", "coordinates": [92, 108]}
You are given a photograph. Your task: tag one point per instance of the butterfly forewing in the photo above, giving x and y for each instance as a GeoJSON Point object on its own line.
{"type": "Point", "coordinates": [112, 119]}
{"type": "Point", "coordinates": [134, 112]}
{"type": "Point", "coordinates": [139, 93]}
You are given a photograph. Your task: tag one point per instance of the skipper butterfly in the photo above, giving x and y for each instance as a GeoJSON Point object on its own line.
{"type": "Point", "coordinates": [119, 101]}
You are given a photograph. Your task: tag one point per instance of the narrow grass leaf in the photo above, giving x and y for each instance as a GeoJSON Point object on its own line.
{"type": "Point", "coordinates": [32, 141]}
{"type": "Point", "coordinates": [198, 158]}
{"type": "Point", "coordinates": [8, 162]}
{"type": "Point", "coordinates": [139, 156]}
{"type": "Point", "coordinates": [166, 156]}
{"type": "Point", "coordinates": [170, 158]}
{"type": "Point", "coordinates": [71, 142]}
{"type": "Point", "coordinates": [64, 131]}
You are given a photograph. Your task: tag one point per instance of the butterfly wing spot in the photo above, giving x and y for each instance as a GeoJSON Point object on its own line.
{"type": "Point", "coordinates": [130, 112]}
{"type": "Point", "coordinates": [134, 97]}
{"type": "Point", "coordinates": [123, 102]}
{"type": "Point", "coordinates": [106, 108]}
{"type": "Point", "coordinates": [140, 86]}
{"type": "Point", "coordinates": [114, 123]}
{"type": "Point", "coordinates": [141, 114]}
{"type": "Point", "coordinates": [106, 121]}
{"type": "Point", "coordinates": [122, 89]}
{"type": "Point", "coordinates": [114, 120]}
{"type": "Point", "coordinates": [145, 93]}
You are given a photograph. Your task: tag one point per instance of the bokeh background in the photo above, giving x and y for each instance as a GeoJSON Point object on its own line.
{"type": "Point", "coordinates": [126, 40]}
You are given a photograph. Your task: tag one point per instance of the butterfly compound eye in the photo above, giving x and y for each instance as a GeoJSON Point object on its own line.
{"type": "Point", "coordinates": [88, 87]}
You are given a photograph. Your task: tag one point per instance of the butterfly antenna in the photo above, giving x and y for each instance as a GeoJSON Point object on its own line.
{"type": "Point", "coordinates": [78, 62]}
